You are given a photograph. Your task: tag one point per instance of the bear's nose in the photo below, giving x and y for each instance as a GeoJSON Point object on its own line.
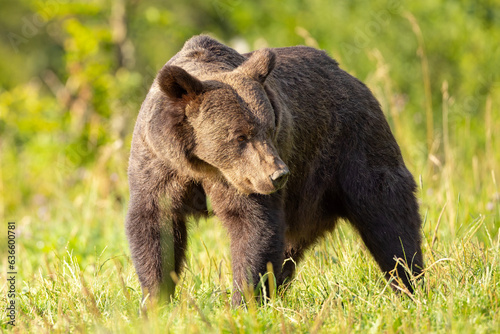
{"type": "Point", "coordinates": [279, 178]}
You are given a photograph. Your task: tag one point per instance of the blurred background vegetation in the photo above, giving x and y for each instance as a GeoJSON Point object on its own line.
{"type": "Point", "coordinates": [74, 73]}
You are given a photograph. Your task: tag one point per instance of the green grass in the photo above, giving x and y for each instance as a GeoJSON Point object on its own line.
{"type": "Point", "coordinates": [338, 288]}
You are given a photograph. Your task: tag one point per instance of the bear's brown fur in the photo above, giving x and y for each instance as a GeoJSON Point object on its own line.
{"type": "Point", "coordinates": [234, 128]}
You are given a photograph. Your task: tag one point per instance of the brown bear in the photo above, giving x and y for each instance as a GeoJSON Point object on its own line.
{"type": "Point", "coordinates": [284, 143]}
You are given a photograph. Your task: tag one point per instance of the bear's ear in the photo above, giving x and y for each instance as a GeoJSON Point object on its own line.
{"type": "Point", "coordinates": [177, 83]}
{"type": "Point", "coordinates": [259, 65]}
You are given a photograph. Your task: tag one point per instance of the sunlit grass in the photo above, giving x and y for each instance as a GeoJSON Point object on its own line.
{"type": "Point", "coordinates": [337, 288]}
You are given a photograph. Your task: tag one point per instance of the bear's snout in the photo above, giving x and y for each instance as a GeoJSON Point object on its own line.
{"type": "Point", "coordinates": [279, 177]}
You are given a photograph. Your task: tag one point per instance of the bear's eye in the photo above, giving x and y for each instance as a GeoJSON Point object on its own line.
{"type": "Point", "coordinates": [242, 138]}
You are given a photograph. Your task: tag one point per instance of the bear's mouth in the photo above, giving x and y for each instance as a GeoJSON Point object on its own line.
{"type": "Point", "coordinates": [263, 188]}
{"type": "Point", "coordinates": [247, 187]}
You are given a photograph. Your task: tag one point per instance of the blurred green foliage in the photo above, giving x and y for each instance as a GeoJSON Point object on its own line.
{"type": "Point", "coordinates": [75, 72]}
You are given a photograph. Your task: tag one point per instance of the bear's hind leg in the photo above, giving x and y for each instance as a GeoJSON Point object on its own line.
{"type": "Point", "coordinates": [384, 210]}
{"type": "Point", "coordinates": [396, 252]}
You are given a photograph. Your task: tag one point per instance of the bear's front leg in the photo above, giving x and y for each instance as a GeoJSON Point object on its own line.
{"type": "Point", "coordinates": [155, 224]}
{"type": "Point", "coordinates": [256, 226]}
{"type": "Point", "coordinates": [157, 241]}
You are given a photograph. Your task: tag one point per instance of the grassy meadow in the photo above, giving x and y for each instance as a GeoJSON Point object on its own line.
{"type": "Point", "coordinates": [69, 94]}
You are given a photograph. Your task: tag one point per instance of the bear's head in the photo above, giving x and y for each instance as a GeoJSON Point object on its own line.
{"type": "Point", "coordinates": [227, 124]}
